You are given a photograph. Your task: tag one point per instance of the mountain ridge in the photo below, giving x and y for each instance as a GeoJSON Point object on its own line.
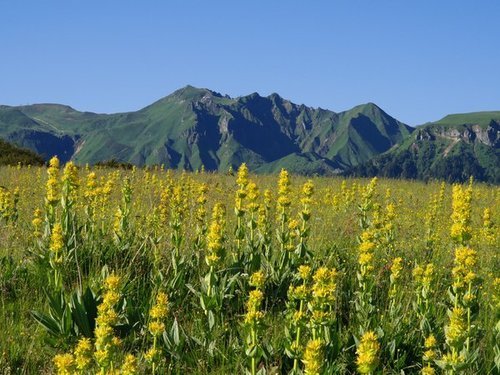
{"type": "Point", "coordinates": [194, 127]}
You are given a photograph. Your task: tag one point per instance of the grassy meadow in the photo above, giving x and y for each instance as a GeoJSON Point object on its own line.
{"type": "Point", "coordinates": [107, 271]}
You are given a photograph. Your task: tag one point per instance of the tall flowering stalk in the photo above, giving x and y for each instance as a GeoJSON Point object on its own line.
{"type": "Point", "coordinates": [463, 292]}
{"type": "Point", "coordinates": [431, 222]}
{"type": "Point", "coordinates": [215, 244]}
{"type": "Point", "coordinates": [240, 209]}
{"type": "Point", "coordinates": [53, 194]}
{"type": "Point", "coordinates": [393, 323]}
{"type": "Point", "coordinates": [495, 309]}
{"type": "Point", "coordinates": [423, 282]}
{"type": "Point", "coordinates": [304, 216]}
{"type": "Point", "coordinates": [253, 255]}
{"type": "Point", "coordinates": [200, 217]}
{"type": "Point", "coordinates": [283, 217]}
{"type": "Point", "coordinates": [156, 327]}
{"type": "Point", "coordinates": [122, 215]}
{"type": "Point", "coordinates": [56, 255]}
{"type": "Point", "coordinates": [264, 226]}
{"type": "Point", "coordinates": [254, 319]}
{"type": "Point", "coordinates": [106, 343]}
{"type": "Point", "coordinates": [70, 185]}
{"type": "Point", "coordinates": [366, 279]}
{"type": "Point", "coordinates": [178, 211]}
{"type": "Point", "coordinates": [430, 354]}
{"type": "Point", "coordinates": [298, 297]}
{"type": "Point", "coordinates": [322, 302]}
{"type": "Point", "coordinates": [368, 353]}
{"type": "Point", "coordinates": [313, 357]}
{"type": "Point", "coordinates": [367, 203]}
{"type": "Point", "coordinates": [91, 194]}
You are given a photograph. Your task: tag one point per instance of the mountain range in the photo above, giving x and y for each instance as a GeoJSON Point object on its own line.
{"type": "Point", "coordinates": [193, 127]}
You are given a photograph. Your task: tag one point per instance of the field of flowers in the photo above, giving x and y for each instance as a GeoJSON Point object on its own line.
{"type": "Point", "coordinates": [166, 272]}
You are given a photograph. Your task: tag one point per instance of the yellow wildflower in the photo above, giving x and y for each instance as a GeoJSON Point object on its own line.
{"type": "Point", "coordinates": [129, 366]}
{"type": "Point", "coordinates": [83, 353]}
{"type": "Point", "coordinates": [313, 357]}
{"type": "Point", "coordinates": [64, 363]}
{"type": "Point", "coordinates": [257, 279]}
{"type": "Point", "coordinates": [367, 353]}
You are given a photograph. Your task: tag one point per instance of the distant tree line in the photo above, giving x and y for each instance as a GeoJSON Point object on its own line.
{"type": "Point", "coordinates": [426, 164]}
{"type": "Point", "coordinates": [13, 155]}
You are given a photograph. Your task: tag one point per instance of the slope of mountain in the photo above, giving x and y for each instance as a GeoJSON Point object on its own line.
{"type": "Point", "coordinates": [194, 127]}
{"type": "Point", "coordinates": [453, 148]}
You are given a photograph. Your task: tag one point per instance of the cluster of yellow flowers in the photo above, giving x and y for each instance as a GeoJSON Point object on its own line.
{"type": "Point", "coordinates": [323, 294]}
{"type": "Point", "coordinates": [241, 193]}
{"type": "Point", "coordinates": [201, 200]}
{"type": "Point", "coordinates": [158, 313]}
{"type": "Point", "coordinates": [64, 363]}
{"type": "Point", "coordinates": [396, 268]}
{"type": "Point", "coordinates": [8, 204]}
{"type": "Point", "coordinates": [106, 343]}
{"type": "Point", "coordinates": [254, 315]}
{"type": "Point", "coordinates": [430, 345]}
{"type": "Point", "coordinates": [284, 191]}
{"type": "Point", "coordinates": [366, 250]}
{"type": "Point", "coordinates": [463, 270]}
{"type": "Point", "coordinates": [70, 179]}
{"type": "Point", "coordinates": [253, 196]}
{"type": "Point", "coordinates": [423, 276]}
{"type": "Point", "coordinates": [313, 357]}
{"type": "Point", "coordinates": [367, 353]}
{"type": "Point", "coordinates": [83, 354]}
{"type": "Point", "coordinates": [215, 236]}
{"type": "Point", "coordinates": [56, 243]}
{"type": "Point", "coordinates": [456, 330]}
{"type": "Point", "coordinates": [53, 188]}
{"type": "Point", "coordinates": [461, 230]}
{"type": "Point", "coordinates": [37, 223]}
{"type": "Point", "coordinates": [488, 232]}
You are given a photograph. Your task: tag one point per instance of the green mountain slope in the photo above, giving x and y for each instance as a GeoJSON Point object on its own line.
{"type": "Point", "coordinates": [194, 127]}
{"type": "Point", "coordinates": [454, 148]}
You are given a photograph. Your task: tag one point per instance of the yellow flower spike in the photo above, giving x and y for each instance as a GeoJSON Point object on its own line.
{"type": "Point", "coordinates": [428, 370]}
{"type": "Point", "coordinates": [461, 230]}
{"type": "Point", "coordinates": [156, 328]}
{"type": "Point", "coordinates": [284, 190]}
{"type": "Point", "coordinates": [257, 279]}
{"type": "Point", "coordinates": [430, 342]}
{"type": "Point", "coordinates": [242, 176]}
{"type": "Point", "coordinates": [160, 309]}
{"type": "Point", "coordinates": [37, 222]}
{"type": "Point", "coordinates": [53, 188]}
{"type": "Point", "coordinates": [112, 282]}
{"type": "Point", "coordinates": [215, 236]}
{"type": "Point", "coordinates": [304, 272]}
{"type": "Point", "coordinates": [313, 357]}
{"type": "Point", "coordinates": [129, 366]}
{"type": "Point", "coordinates": [396, 268]}
{"type": "Point", "coordinates": [83, 353]}
{"type": "Point", "coordinates": [56, 239]}
{"type": "Point", "coordinates": [367, 353]}
{"type": "Point", "coordinates": [64, 364]}
{"type": "Point", "coordinates": [456, 331]}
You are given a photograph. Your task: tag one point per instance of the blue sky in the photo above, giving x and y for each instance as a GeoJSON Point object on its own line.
{"type": "Point", "coordinates": [418, 60]}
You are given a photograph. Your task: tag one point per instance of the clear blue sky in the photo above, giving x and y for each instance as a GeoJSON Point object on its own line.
{"type": "Point", "coordinates": [418, 60]}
